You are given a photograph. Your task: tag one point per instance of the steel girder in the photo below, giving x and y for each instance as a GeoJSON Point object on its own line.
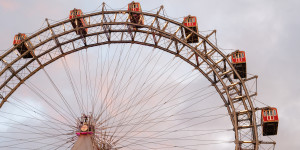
{"type": "Point", "coordinates": [205, 56]}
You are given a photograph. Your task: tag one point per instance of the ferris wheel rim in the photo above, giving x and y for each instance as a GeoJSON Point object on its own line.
{"type": "Point", "coordinates": [162, 33]}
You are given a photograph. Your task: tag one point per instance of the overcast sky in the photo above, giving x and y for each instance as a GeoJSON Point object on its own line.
{"type": "Point", "coordinates": [268, 30]}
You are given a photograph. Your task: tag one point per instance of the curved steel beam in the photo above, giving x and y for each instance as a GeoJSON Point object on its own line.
{"type": "Point", "coordinates": [217, 70]}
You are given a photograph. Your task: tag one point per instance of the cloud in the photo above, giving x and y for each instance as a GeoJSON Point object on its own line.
{"type": "Point", "coordinates": [9, 5]}
{"type": "Point", "coordinates": [267, 30]}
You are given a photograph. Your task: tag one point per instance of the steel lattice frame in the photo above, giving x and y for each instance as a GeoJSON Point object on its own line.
{"type": "Point", "coordinates": [113, 27]}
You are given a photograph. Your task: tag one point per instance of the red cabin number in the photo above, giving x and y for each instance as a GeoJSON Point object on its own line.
{"type": "Point", "coordinates": [270, 115]}
{"type": "Point", "coordinates": [190, 21]}
{"type": "Point", "coordinates": [19, 38]}
{"type": "Point", "coordinates": [238, 57]}
{"type": "Point", "coordinates": [134, 7]}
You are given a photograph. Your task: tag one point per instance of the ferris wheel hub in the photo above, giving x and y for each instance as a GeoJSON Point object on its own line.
{"type": "Point", "coordinates": [85, 125]}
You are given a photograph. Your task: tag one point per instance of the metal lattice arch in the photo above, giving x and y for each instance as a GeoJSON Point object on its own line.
{"type": "Point", "coordinates": [158, 31]}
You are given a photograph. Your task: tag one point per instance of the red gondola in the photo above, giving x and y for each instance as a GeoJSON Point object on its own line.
{"type": "Point", "coordinates": [269, 121]}
{"type": "Point", "coordinates": [191, 22]}
{"type": "Point", "coordinates": [23, 47]}
{"type": "Point", "coordinates": [238, 60]}
{"type": "Point", "coordinates": [134, 17]}
{"type": "Point", "coordinates": [78, 23]}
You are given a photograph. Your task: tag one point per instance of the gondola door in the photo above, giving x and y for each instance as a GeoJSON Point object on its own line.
{"type": "Point", "coordinates": [191, 22]}
{"type": "Point", "coordinates": [270, 116]}
{"type": "Point", "coordinates": [243, 59]}
{"type": "Point", "coordinates": [239, 58]}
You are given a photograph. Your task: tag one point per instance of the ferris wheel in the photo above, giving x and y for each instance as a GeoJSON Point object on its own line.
{"type": "Point", "coordinates": [129, 79]}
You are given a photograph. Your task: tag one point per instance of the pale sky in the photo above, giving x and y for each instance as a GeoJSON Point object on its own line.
{"type": "Point", "coordinates": [268, 30]}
